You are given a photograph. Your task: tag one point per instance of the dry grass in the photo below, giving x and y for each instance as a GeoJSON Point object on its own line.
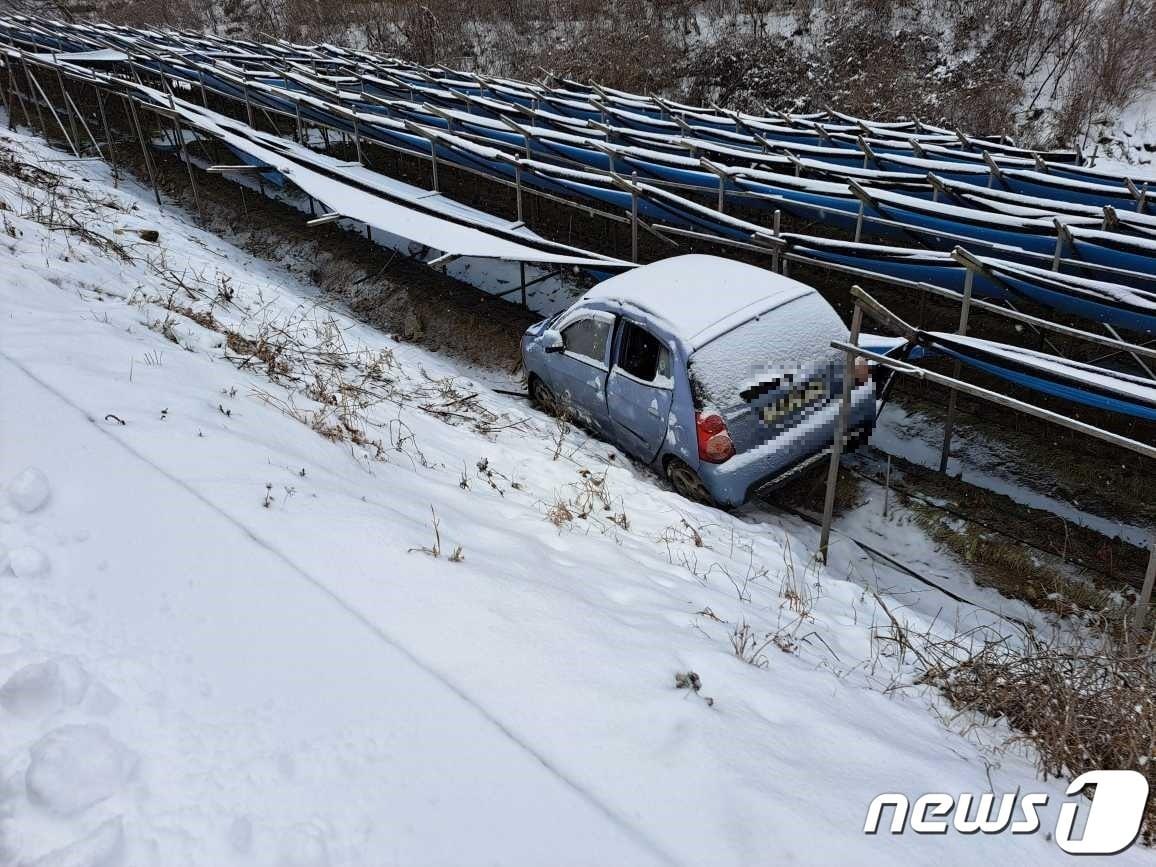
{"type": "Point", "coordinates": [1082, 705]}
{"type": "Point", "coordinates": [588, 499]}
{"type": "Point", "coordinates": [1012, 568]}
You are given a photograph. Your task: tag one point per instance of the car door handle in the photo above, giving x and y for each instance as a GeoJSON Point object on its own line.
{"type": "Point", "coordinates": [653, 411]}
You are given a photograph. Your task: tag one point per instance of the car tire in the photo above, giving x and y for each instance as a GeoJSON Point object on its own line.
{"type": "Point", "coordinates": [543, 396]}
{"type": "Point", "coordinates": [686, 482]}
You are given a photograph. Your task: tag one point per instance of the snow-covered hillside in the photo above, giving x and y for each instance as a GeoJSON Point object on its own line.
{"type": "Point", "coordinates": [278, 589]}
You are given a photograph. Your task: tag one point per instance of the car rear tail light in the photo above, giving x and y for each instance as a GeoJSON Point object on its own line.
{"type": "Point", "coordinates": [714, 442]}
{"type": "Point", "coordinates": [862, 370]}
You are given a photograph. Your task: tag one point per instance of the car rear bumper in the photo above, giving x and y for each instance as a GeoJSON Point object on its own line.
{"type": "Point", "coordinates": [857, 437]}
{"type": "Point", "coordinates": [793, 452]}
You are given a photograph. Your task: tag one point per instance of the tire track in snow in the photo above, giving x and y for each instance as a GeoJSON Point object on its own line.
{"type": "Point", "coordinates": [632, 832]}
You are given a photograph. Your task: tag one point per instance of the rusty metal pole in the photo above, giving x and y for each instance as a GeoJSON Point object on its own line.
{"type": "Point", "coordinates": [949, 424]}
{"type": "Point", "coordinates": [840, 435]}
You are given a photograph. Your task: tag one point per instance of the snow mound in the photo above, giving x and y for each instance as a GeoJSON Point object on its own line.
{"type": "Point", "coordinates": [304, 846]}
{"type": "Point", "coordinates": [76, 766]}
{"type": "Point", "coordinates": [240, 835]}
{"type": "Point", "coordinates": [28, 562]}
{"type": "Point", "coordinates": [43, 688]}
{"type": "Point", "coordinates": [104, 847]}
{"type": "Point", "coordinates": [29, 491]}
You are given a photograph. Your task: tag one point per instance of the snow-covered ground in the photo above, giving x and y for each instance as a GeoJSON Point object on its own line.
{"type": "Point", "coordinates": [988, 465]}
{"type": "Point", "coordinates": [1126, 143]}
{"type": "Point", "coordinates": [278, 589]}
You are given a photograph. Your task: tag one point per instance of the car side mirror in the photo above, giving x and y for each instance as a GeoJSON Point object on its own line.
{"type": "Point", "coordinates": [552, 341]}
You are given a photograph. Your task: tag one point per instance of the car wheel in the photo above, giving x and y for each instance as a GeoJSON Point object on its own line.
{"type": "Point", "coordinates": [686, 482]}
{"type": "Point", "coordinates": [542, 396]}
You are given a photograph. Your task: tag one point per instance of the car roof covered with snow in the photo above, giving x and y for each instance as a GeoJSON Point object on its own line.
{"type": "Point", "coordinates": [700, 297]}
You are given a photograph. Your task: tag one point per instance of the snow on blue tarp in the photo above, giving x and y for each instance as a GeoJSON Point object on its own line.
{"type": "Point", "coordinates": [1097, 300]}
{"type": "Point", "coordinates": [1121, 306]}
{"type": "Point", "coordinates": [920, 167]}
{"type": "Point", "coordinates": [1139, 176]}
{"type": "Point", "coordinates": [1032, 234]}
{"type": "Point", "coordinates": [1081, 383]}
{"type": "Point", "coordinates": [836, 211]}
{"type": "Point", "coordinates": [1116, 250]}
{"type": "Point", "coordinates": [1100, 193]}
{"type": "Point", "coordinates": [916, 266]}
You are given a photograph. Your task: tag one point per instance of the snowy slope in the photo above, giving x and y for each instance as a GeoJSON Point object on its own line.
{"type": "Point", "coordinates": [221, 640]}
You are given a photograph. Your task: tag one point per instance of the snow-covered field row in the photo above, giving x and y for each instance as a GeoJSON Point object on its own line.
{"type": "Point", "coordinates": [278, 589]}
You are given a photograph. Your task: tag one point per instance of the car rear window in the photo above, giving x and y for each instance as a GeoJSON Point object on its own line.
{"type": "Point", "coordinates": [792, 339]}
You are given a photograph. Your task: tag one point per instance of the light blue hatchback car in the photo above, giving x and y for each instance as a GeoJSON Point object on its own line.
{"type": "Point", "coordinates": [719, 374]}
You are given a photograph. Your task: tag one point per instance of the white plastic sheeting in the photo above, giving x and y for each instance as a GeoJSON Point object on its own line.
{"type": "Point", "coordinates": [478, 234]}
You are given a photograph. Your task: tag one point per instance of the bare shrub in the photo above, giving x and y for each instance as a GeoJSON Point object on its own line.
{"type": "Point", "coordinates": [1083, 705]}
{"type": "Point", "coordinates": [435, 550]}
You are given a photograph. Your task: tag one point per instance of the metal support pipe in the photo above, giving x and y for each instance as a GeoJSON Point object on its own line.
{"type": "Point", "coordinates": [19, 96]}
{"type": "Point", "coordinates": [67, 106]}
{"type": "Point", "coordinates": [518, 189]}
{"type": "Point", "coordinates": [840, 435]}
{"type": "Point", "coordinates": [11, 109]}
{"type": "Point", "coordinates": [35, 101]}
{"type": "Point", "coordinates": [55, 116]}
{"type": "Point", "coordinates": [1145, 600]}
{"type": "Point", "coordinates": [1140, 194]}
{"type": "Point", "coordinates": [248, 107]}
{"type": "Point", "coordinates": [84, 123]}
{"type": "Point", "coordinates": [1063, 236]}
{"type": "Point", "coordinates": [776, 226]}
{"type": "Point", "coordinates": [949, 423]}
{"type": "Point", "coordinates": [144, 149]}
{"type": "Point", "coordinates": [522, 274]}
{"type": "Point", "coordinates": [1144, 449]}
{"type": "Point", "coordinates": [634, 226]}
{"type": "Point", "coordinates": [183, 155]}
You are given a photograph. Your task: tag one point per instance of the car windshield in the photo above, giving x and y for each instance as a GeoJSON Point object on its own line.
{"type": "Point", "coordinates": [791, 340]}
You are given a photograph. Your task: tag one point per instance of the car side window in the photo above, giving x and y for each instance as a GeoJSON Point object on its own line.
{"type": "Point", "coordinates": [588, 338]}
{"type": "Point", "coordinates": [643, 355]}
